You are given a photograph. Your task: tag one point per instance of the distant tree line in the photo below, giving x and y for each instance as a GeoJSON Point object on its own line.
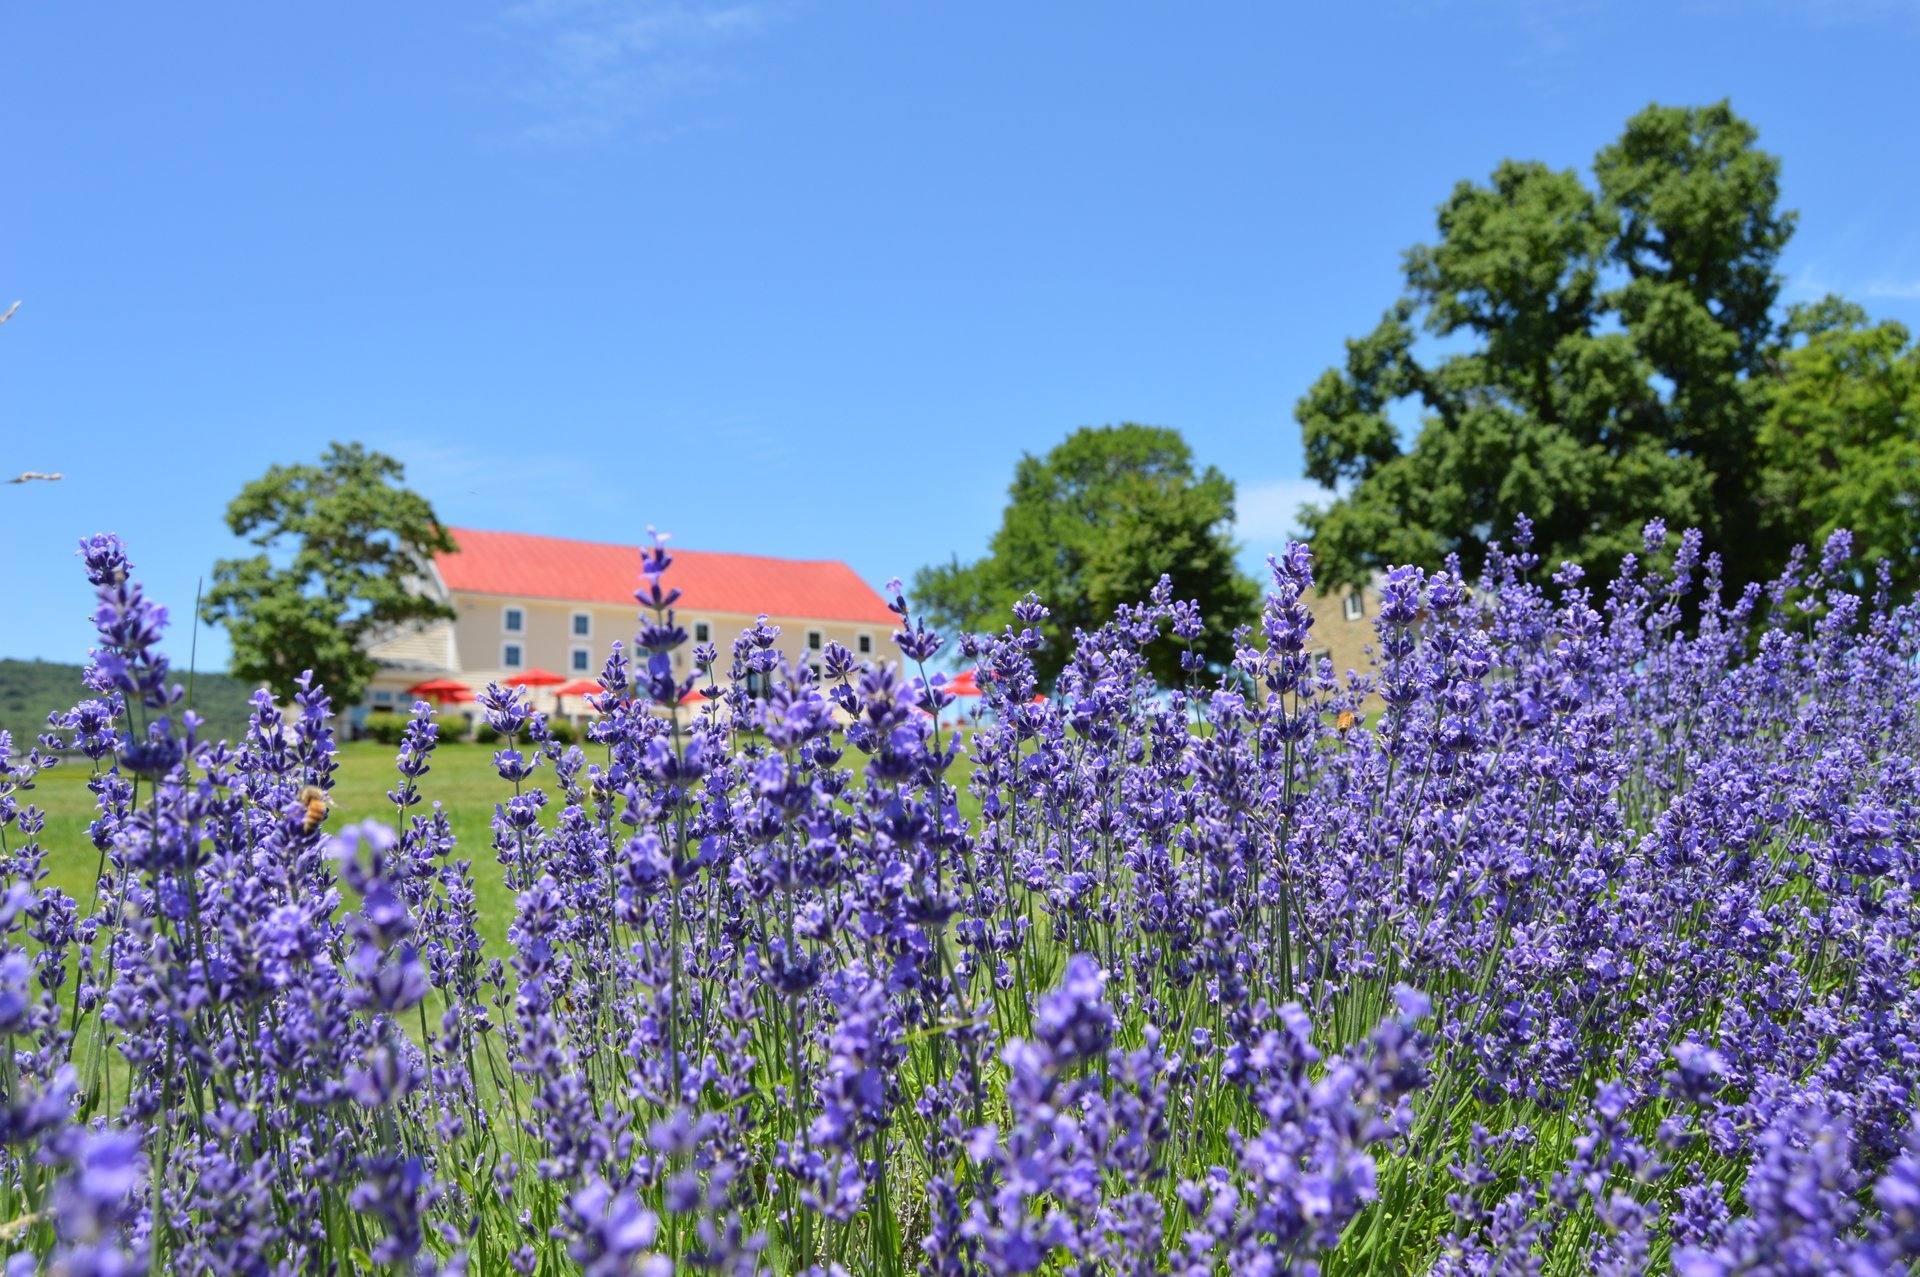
{"type": "Point", "coordinates": [30, 690]}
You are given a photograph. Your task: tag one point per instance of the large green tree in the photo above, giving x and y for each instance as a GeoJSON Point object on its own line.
{"type": "Point", "coordinates": [1840, 442]}
{"type": "Point", "coordinates": [1093, 525]}
{"type": "Point", "coordinates": [1589, 354]}
{"type": "Point", "coordinates": [343, 548]}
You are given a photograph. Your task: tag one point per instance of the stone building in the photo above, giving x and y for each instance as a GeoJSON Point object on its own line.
{"type": "Point", "coordinates": [1343, 621]}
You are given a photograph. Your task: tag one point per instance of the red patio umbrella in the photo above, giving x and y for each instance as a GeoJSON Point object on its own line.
{"type": "Point", "coordinates": [442, 689]}
{"type": "Point", "coordinates": [580, 687]}
{"type": "Point", "coordinates": [694, 696]}
{"type": "Point", "coordinates": [963, 684]}
{"type": "Point", "coordinates": [535, 677]}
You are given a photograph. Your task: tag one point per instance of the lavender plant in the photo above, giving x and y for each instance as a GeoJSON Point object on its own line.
{"type": "Point", "coordinates": [1577, 935]}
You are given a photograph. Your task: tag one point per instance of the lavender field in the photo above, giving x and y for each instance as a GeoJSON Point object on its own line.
{"type": "Point", "coordinates": [1576, 936]}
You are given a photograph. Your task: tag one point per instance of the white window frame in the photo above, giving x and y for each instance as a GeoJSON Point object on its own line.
{"type": "Point", "coordinates": [521, 663]}
{"type": "Point", "coordinates": [816, 640]}
{"type": "Point", "coordinates": [508, 611]}
{"type": "Point", "coordinates": [863, 644]}
{"type": "Point", "coordinates": [575, 662]}
{"type": "Point", "coordinates": [698, 626]}
{"type": "Point", "coordinates": [1353, 606]}
{"type": "Point", "coordinates": [573, 625]}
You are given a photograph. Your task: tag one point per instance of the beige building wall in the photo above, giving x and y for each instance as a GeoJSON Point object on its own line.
{"type": "Point", "coordinates": [550, 635]}
{"type": "Point", "coordinates": [1343, 621]}
{"type": "Point", "coordinates": [474, 647]}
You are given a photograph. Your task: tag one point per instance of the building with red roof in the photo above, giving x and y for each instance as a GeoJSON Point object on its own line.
{"type": "Point", "coordinates": [525, 601]}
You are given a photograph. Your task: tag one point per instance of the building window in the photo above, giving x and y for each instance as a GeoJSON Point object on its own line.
{"type": "Point", "coordinates": [513, 620]}
{"type": "Point", "coordinates": [510, 655]}
{"type": "Point", "coordinates": [815, 640]}
{"type": "Point", "coordinates": [865, 642]}
{"type": "Point", "coordinates": [582, 660]}
{"type": "Point", "coordinates": [383, 698]}
{"type": "Point", "coordinates": [1353, 606]}
{"type": "Point", "coordinates": [702, 632]}
{"type": "Point", "coordinates": [583, 625]}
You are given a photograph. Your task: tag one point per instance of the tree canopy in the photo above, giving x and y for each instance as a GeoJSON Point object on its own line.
{"type": "Point", "coordinates": [1596, 354]}
{"type": "Point", "coordinates": [1841, 437]}
{"type": "Point", "coordinates": [351, 543]}
{"type": "Point", "coordinates": [1092, 526]}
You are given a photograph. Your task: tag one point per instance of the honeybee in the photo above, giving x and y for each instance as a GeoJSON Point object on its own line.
{"type": "Point", "coordinates": [317, 805]}
{"type": "Point", "coordinates": [1346, 722]}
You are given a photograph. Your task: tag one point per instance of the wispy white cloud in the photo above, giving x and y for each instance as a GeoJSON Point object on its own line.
{"type": "Point", "coordinates": [1268, 512]}
{"type": "Point", "coordinates": [1811, 283]}
{"type": "Point", "coordinates": [457, 476]}
{"type": "Point", "coordinates": [745, 438]}
{"type": "Point", "coordinates": [1546, 34]}
{"type": "Point", "coordinates": [1534, 38]}
{"type": "Point", "coordinates": [1847, 13]}
{"type": "Point", "coordinates": [1904, 289]}
{"type": "Point", "coordinates": [612, 67]}
{"type": "Point", "coordinates": [1807, 284]}
{"type": "Point", "coordinates": [1538, 39]}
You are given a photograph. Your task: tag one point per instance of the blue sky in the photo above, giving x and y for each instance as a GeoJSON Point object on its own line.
{"type": "Point", "coordinates": [800, 278]}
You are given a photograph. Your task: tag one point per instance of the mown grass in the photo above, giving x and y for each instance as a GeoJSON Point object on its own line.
{"type": "Point", "coordinates": [463, 782]}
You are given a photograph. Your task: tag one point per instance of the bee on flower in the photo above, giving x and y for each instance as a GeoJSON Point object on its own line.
{"type": "Point", "coordinates": [315, 804]}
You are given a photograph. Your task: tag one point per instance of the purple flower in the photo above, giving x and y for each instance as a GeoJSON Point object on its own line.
{"type": "Point", "coordinates": [611, 1233]}
{"type": "Point", "coordinates": [1576, 931]}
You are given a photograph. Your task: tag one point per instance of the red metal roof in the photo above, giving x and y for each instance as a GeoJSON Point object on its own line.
{"type": "Point", "coordinates": [520, 565]}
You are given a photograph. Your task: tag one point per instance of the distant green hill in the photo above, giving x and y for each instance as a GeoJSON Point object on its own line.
{"type": "Point", "coordinates": [29, 690]}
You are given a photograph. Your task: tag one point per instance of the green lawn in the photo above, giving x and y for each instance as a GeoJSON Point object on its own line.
{"type": "Point", "coordinates": [462, 780]}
